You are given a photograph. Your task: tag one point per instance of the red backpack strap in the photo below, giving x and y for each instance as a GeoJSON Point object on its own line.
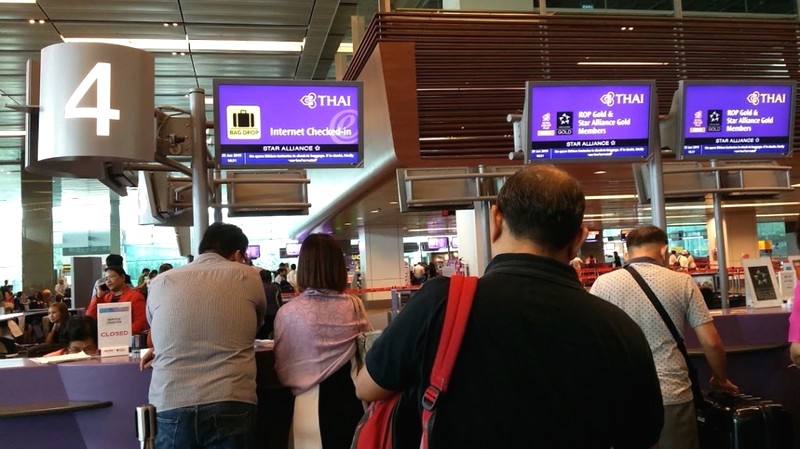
{"type": "Point", "coordinates": [459, 304]}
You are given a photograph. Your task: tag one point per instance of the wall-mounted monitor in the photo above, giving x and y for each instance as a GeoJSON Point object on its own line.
{"type": "Point", "coordinates": [293, 249]}
{"type": "Point", "coordinates": [253, 252]}
{"type": "Point", "coordinates": [304, 124]}
{"type": "Point", "coordinates": [592, 236]}
{"type": "Point", "coordinates": [436, 243]}
{"type": "Point", "coordinates": [735, 119]}
{"type": "Point", "coordinates": [454, 242]}
{"type": "Point", "coordinates": [590, 121]}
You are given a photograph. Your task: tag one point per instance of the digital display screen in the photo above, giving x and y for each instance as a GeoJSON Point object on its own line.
{"type": "Point", "coordinates": [437, 243]}
{"type": "Point", "coordinates": [253, 252]}
{"type": "Point", "coordinates": [288, 124]}
{"type": "Point", "coordinates": [737, 120]}
{"type": "Point", "coordinates": [581, 122]}
{"type": "Point", "coordinates": [592, 236]}
{"type": "Point", "coordinates": [293, 249]}
{"type": "Point", "coordinates": [454, 243]}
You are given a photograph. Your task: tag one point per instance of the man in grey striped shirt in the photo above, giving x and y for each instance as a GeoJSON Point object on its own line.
{"type": "Point", "coordinates": [203, 318]}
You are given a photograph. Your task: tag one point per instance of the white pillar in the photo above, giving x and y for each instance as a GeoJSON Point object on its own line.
{"type": "Point", "coordinates": [381, 249]}
{"type": "Point", "coordinates": [473, 235]}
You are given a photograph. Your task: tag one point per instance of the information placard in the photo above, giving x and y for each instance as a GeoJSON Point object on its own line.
{"type": "Point", "coordinates": [735, 119]}
{"type": "Point", "coordinates": [582, 121]}
{"type": "Point", "coordinates": [761, 289]}
{"type": "Point", "coordinates": [288, 123]}
{"type": "Point", "coordinates": [114, 328]}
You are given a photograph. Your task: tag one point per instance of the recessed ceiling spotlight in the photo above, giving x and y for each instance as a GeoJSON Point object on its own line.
{"type": "Point", "coordinates": [375, 211]}
{"type": "Point", "coordinates": [624, 28]}
{"type": "Point", "coordinates": [32, 21]}
{"type": "Point", "coordinates": [41, 21]}
{"type": "Point", "coordinates": [176, 24]}
{"type": "Point", "coordinates": [359, 218]}
{"type": "Point", "coordinates": [600, 172]}
{"type": "Point", "coordinates": [183, 54]}
{"type": "Point", "coordinates": [630, 28]}
{"type": "Point", "coordinates": [392, 202]}
{"type": "Point", "coordinates": [174, 53]}
{"type": "Point", "coordinates": [166, 24]}
{"type": "Point", "coordinates": [347, 223]}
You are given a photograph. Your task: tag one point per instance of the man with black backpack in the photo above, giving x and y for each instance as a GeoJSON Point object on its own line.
{"type": "Point", "coordinates": [542, 362]}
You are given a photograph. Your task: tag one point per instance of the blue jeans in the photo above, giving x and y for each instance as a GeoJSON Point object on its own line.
{"type": "Point", "coordinates": [220, 425]}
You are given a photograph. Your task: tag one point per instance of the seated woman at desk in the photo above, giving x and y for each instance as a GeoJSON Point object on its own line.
{"type": "Point", "coordinates": [315, 340]}
{"type": "Point", "coordinates": [81, 337]}
{"type": "Point", "coordinates": [59, 317]}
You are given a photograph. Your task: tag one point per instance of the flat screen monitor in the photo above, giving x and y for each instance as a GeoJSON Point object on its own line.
{"type": "Point", "coordinates": [592, 236]}
{"type": "Point", "coordinates": [254, 252]}
{"type": "Point", "coordinates": [303, 124]}
{"type": "Point", "coordinates": [454, 242]}
{"type": "Point", "coordinates": [293, 249]}
{"type": "Point", "coordinates": [435, 243]}
{"type": "Point", "coordinates": [739, 119]}
{"type": "Point", "coordinates": [590, 121]}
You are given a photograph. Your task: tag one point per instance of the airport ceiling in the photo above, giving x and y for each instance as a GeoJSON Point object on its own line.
{"type": "Point", "coordinates": [322, 26]}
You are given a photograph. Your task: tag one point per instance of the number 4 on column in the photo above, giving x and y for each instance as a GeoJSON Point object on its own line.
{"type": "Point", "coordinates": [101, 73]}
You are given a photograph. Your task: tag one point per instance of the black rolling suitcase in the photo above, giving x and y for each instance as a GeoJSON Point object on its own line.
{"type": "Point", "coordinates": [743, 422]}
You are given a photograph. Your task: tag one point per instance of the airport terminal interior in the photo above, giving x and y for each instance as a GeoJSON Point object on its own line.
{"type": "Point", "coordinates": [446, 109]}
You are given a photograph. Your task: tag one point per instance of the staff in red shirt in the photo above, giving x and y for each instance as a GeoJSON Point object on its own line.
{"type": "Point", "coordinates": [120, 292]}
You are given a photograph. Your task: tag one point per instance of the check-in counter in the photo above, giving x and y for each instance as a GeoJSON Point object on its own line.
{"type": "Point", "coordinates": [758, 357]}
{"type": "Point", "coordinates": [90, 404]}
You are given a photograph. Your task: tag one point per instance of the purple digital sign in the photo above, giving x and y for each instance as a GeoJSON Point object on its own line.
{"type": "Point", "coordinates": [287, 123]}
{"type": "Point", "coordinates": [254, 252]}
{"type": "Point", "coordinates": [736, 119]}
{"type": "Point", "coordinates": [437, 243]}
{"type": "Point", "coordinates": [583, 121]}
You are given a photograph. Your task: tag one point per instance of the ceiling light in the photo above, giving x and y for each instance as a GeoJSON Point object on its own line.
{"type": "Point", "coordinates": [12, 133]}
{"type": "Point", "coordinates": [776, 215]}
{"type": "Point", "coordinates": [166, 24]}
{"type": "Point", "coordinates": [17, 1]}
{"type": "Point", "coordinates": [621, 63]}
{"type": "Point", "coordinates": [375, 211]}
{"type": "Point", "coordinates": [597, 215]}
{"type": "Point", "coordinates": [347, 223]}
{"type": "Point", "coordinates": [600, 172]}
{"type": "Point", "coordinates": [359, 218]}
{"type": "Point", "coordinates": [432, 230]}
{"type": "Point", "coordinates": [41, 21]}
{"type": "Point", "coordinates": [32, 21]}
{"type": "Point", "coordinates": [392, 202]}
{"type": "Point", "coordinates": [209, 100]}
{"type": "Point", "coordinates": [345, 48]}
{"type": "Point", "coordinates": [611, 197]}
{"type": "Point", "coordinates": [182, 45]}
{"type": "Point", "coordinates": [175, 24]}
{"type": "Point", "coordinates": [624, 28]}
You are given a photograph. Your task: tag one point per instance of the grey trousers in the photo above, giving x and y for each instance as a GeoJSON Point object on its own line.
{"type": "Point", "coordinates": [680, 427]}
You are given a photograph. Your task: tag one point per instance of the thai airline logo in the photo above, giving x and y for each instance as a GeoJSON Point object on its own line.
{"type": "Point", "coordinates": [611, 98]}
{"type": "Point", "coordinates": [757, 98]}
{"type": "Point", "coordinates": [546, 123]}
{"type": "Point", "coordinates": [311, 100]}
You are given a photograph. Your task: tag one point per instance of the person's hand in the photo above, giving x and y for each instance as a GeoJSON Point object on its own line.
{"type": "Point", "coordinates": [56, 326]}
{"type": "Point", "coordinates": [794, 353]}
{"type": "Point", "coordinates": [725, 385]}
{"type": "Point", "coordinates": [146, 361]}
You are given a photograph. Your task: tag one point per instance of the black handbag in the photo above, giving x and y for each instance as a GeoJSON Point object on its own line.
{"type": "Point", "coordinates": [699, 400]}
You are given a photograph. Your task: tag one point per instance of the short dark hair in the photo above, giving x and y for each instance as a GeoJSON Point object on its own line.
{"type": "Point", "coordinates": [321, 264]}
{"type": "Point", "coordinates": [164, 267]}
{"type": "Point", "coordinates": [81, 328]}
{"type": "Point", "coordinates": [646, 235]}
{"type": "Point", "coordinates": [113, 260]}
{"type": "Point", "coordinates": [266, 276]}
{"type": "Point", "coordinates": [152, 274]}
{"type": "Point", "coordinates": [543, 204]}
{"type": "Point", "coordinates": [224, 239]}
{"type": "Point", "coordinates": [116, 269]}
{"type": "Point", "coordinates": [145, 270]}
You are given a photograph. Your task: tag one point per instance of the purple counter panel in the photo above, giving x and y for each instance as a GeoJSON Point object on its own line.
{"type": "Point", "coordinates": [580, 122]}
{"type": "Point", "coordinates": [263, 124]}
{"type": "Point", "coordinates": [741, 120]}
{"type": "Point", "coordinates": [116, 379]}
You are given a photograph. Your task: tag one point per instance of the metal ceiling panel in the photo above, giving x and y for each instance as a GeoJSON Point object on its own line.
{"type": "Point", "coordinates": [19, 12]}
{"type": "Point", "coordinates": [248, 12]}
{"type": "Point", "coordinates": [156, 11]}
{"type": "Point", "coordinates": [277, 65]}
{"type": "Point", "coordinates": [260, 32]}
{"type": "Point", "coordinates": [22, 36]}
{"type": "Point", "coordinates": [120, 30]}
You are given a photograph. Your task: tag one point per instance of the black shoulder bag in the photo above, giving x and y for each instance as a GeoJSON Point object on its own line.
{"type": "Point", "coordinates": [699, 402]}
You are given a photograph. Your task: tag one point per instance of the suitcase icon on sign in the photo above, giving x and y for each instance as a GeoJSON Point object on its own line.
{"type": "Point", "coordinates": [243, 119]}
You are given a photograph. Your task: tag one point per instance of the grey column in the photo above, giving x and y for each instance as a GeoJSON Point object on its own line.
{"type": "Point", "coordinates": [37, 232]}
{"type": "Point", "coordinates": [199, 170]}
{"type": "Point", "coordinates": [114, 230]}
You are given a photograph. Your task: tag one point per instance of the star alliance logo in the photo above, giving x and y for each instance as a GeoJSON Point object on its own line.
{"type": "Point", "coordinates": [564, 119]}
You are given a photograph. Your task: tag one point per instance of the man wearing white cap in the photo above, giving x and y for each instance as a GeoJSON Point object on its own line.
{"type": "Point", "coordinates": [687, 261]}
